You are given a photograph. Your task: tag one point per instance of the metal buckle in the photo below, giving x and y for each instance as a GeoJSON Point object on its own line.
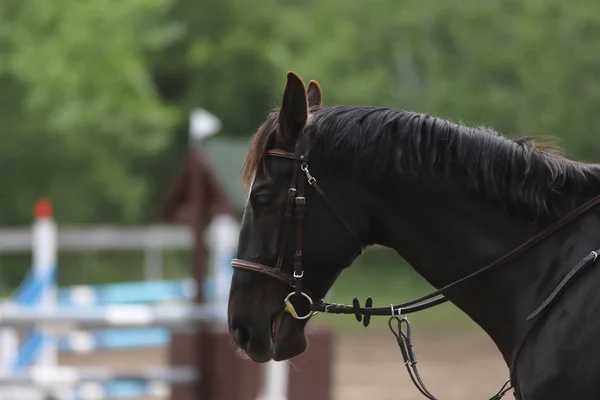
{"type": "Point", "coordinates": [289, 307]}
{"type": "Point", "coordinates": [300, 200]}
{"type": "Point", "coordinates": [300, 275]}
{"type": "Point", "coordinates": [311, 179]}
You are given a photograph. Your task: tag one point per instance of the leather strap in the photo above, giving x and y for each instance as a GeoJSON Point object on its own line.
{"type": "Point", "coordinates": [292, 193]}
{"type": "Point", "coordinates": [282, 154]}
{"type": "Point", "coordinates": [403, 308]}
{"type": "Point", "coordinates": [337, 214]}
{"type": "Point", "coordinates": [587, 260]}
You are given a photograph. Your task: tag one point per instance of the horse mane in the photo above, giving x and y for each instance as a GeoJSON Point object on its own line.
{"type": "Point", "coordinates": [259, 145]}
{"type": "Point", "coordinates": [529, 173]}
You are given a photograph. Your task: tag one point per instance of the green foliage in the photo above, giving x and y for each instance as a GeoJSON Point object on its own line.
{"type": "Point", "coordinates": [82, 108]}
{"type": "Point", "coordinates": [522, 67]}
{"type": "Point", "coordinates": [95, 94]}
{"type": "Point", "coordinates": [221, 64]}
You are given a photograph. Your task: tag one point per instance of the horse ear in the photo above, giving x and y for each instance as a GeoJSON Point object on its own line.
{"type": "Point", "coordinates": [294, 107]}
{"type": "Point", "coordinates": [314, 94]}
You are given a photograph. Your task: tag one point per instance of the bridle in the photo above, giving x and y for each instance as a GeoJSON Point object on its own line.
{"type": "Point", "coordinates": [295, 204]}
{"type": "Point", "coordinates": [294, 207]}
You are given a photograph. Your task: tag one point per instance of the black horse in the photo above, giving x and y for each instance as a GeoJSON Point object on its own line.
{"type": "Point", "coordinates": [450, 200]}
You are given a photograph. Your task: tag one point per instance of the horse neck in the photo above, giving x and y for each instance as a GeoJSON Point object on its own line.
{"type": "Point", "coordinates": [446, 234]}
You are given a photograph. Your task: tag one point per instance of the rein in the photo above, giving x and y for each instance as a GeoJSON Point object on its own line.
{"type": "Point", "coordinates": [405, 308]}
{"type": "Point", "coordinates": [295, 208]}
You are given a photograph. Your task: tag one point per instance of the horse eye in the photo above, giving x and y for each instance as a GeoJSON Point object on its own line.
{"type": "Point", "coordinates": [263, 200]}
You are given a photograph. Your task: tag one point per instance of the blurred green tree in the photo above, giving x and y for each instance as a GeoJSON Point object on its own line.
{"type": "Point", "coordinates": [524, 67]}
{"type": "Point", "coordinates": [78, 106]}
{"type": "Point", "coordinates": [95, 95]}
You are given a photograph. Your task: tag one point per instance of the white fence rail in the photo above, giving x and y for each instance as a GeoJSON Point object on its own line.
{"type": "Point", "coordinates": [151, 240]}
{"type": "Point", "coordinates": [75, 239]}
{"type": "Point", "coordinates": [186, 318]}
{"type": "Point", "coordinates": [33, 308]}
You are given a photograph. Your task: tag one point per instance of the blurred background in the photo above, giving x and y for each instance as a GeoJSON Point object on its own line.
{"type": "Point", "coordinates": [96, 98]}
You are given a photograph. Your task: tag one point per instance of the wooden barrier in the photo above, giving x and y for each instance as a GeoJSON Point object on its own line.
{"type": "Point", "coordinates": [225, 376]}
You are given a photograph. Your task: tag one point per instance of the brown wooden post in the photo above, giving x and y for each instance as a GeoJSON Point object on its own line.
{"type": "Point", "coordinates": [186, 348]}
{"type": "Point", "coordinates": [312, 375]}
{"type": "Point", "coordinates": [226, 376]}
{"type": "Point", "coordinates": [196, 198]}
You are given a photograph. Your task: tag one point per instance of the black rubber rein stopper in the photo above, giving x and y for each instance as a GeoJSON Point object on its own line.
{"type": "Point", "coordinates": [365, 318]}
{"type": "Point", "coordinates": [356, 308]}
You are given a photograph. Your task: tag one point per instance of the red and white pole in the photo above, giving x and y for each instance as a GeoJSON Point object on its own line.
{"type": "Point", "coordinates": [44, 252]}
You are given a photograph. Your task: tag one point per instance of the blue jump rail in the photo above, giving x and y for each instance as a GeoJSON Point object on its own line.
{"type": "Point", "coordinates": [148, 292]}
{"type": "Point", "coordinates": [120, 389]}
{"type": "Point", "coordinates": [114, 339]}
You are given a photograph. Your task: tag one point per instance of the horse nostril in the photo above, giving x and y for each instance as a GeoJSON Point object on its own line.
{"type": "Point", "coordinates": [241, 336]}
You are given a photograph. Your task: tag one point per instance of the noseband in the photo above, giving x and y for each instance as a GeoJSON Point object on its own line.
{"type": "Point", "coordinates": [294, 208]}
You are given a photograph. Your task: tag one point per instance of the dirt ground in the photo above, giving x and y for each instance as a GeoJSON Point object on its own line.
{"type": "Point", "coordinates": [457, 366]}
{"type": "Point", "coordinates": [462, 367]}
